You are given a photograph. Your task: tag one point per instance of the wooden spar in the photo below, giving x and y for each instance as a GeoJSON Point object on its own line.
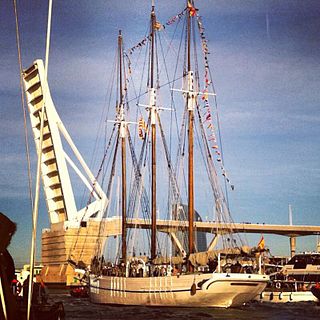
{"type": "Point", "coordinates": [120, 67]}
{"type": "Point", "coordinates": [123, 158]}
{"type": "Point", "coordinates": [153, 147]}
{"type": "Point", "coordinates": [124, 202]}
{"type": "Point", "coordinates": [188, 37]}
{"type": "Point", "coordinates": [190, 151]}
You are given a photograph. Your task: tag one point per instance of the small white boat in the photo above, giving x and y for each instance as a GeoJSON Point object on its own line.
{"type": "Point", "coordinates": [294, 281]}
{"type": "Point", "coordinates": [286, 296]}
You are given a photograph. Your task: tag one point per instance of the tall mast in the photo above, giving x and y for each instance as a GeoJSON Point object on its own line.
{"type": "Point", "coordinates": [153, 143]}
{"type": "Point", "coordinates": [190, 103]}
{"type": "Point", "coordinates": [123, 156]}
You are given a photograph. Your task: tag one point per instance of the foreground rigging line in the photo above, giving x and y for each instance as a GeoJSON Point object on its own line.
{"type": "Point", "coordinates": [23, 105]}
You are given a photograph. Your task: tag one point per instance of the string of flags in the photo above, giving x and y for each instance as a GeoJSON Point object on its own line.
{"type": "Point", "coordinates": [177, 17]}
{"type": "Point", "coordinates": [129, 72]}
{"type": "Point", "coordinates": [207, 116]}
{"type": "Point", "coordinates": [205, 98]}
{"type": "Point", "coordinates": [140, 44]}
{"type": "Point", "coordinates": [129, 63]}
{"type": "Point", "coordinates": [142, 126]}
{"type": "Point", "coordinates": [158, 26]}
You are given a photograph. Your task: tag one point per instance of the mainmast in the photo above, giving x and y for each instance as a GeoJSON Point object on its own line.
{"type": "Point", "coordinates": [190, 104]}
{"type": "Point", "coordinates": [123, 155]}
{"type": "Point", "coordinates": [153, 113]}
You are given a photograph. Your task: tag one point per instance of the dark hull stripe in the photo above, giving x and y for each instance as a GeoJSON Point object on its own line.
{"type": "Point", "coordinates": [249, 284]}
{"type": "Point", "coordinates": [238, 283]}
{"type": "Point", "coordinates": [142, 291]}
{"type": "Point", "coordinates": [244, 284]}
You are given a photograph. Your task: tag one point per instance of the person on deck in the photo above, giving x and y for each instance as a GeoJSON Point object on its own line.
{"type": "Point", "coordinates": [15, 286]}
{"type": "Point", "coordinates": [213, 263]}
{"type": "Point", "coordinates": [9, 309]}
{"type": "Point", "coordinates": [39, 295]}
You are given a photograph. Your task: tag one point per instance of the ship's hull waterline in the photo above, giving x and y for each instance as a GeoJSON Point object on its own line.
{"type": "Point", "coordinates": [192, 290]}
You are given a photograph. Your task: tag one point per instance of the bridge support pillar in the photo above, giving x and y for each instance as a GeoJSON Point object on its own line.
{"type": "Point", "coordinates": [293, 241]}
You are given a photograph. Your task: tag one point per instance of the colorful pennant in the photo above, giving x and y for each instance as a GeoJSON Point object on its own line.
{"type": "Point", "coordinates": [205, 96]}
{"type": "Point", "coordinates": [176, 18]}
{"type": "Point", "coordinates": [142, 128]}
{"type": "Point", "coordinates": [140, 44]}
{"type": "Point", "coordinates": [192, 9]}
{"type": "Point", "coordinates": [158, 26]}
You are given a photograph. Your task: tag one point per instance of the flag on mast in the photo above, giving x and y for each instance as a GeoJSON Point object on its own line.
{"type": "Point", "coordinates": [142, 128]}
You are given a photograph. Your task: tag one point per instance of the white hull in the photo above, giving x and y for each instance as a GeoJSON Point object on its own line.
{"type": "Point", "coordinates": [286, 296]}
{"type": "Point", "coordinates": [212, 290]}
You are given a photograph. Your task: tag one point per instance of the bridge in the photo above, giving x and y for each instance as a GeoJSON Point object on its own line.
{"type": "Point", "coordinates": [291, 231]}
{"type": "Point", "coordinates": [211, 227]}
{"type": "Point", "coordinates": [112, 227]}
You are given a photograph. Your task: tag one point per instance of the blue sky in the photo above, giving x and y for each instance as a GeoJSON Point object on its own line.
{"type": "Point", "coordinates": [266, 70]}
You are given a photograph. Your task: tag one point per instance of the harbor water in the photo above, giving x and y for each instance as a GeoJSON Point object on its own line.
{"type": "Point", "coordinates": [81, 308]}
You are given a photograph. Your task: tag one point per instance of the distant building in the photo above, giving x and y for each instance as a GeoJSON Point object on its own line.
{"type": "Point", "coordinates": [200, 237]}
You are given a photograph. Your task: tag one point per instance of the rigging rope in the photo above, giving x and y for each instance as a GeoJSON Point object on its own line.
{"type": "Point", "coordinates": [48, 39]}
{"type": "Point", "coordinates": [23, 104]}
{"type": "Point", "coordinates": [103, 123]}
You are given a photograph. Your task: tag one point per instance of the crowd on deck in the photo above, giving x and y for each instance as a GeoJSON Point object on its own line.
{"type": "Point", "coordinates": [138, 267]}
